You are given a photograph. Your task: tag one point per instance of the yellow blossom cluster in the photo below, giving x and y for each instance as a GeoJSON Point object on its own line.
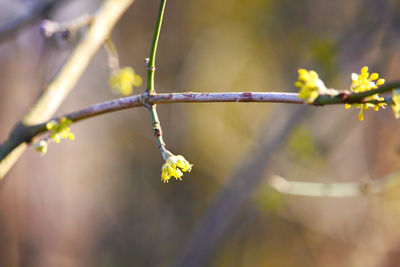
{"type": "Point", "coordinates": [364, 82]}
{"type": "Point", "coordinates": [60, 129]}
{"type": "Point", "coordinates": [310, 85]}
{"type": "Point", "coordinates": [123, 80]}
{"type": "Point", "coordinates": [174, 166]}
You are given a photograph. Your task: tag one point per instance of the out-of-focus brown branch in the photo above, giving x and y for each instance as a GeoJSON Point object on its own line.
{"type": "Point", "coordinates": [18, 23]}
{"type": "Point", "coordinates": [104, 21]}
{"type": "Point", "coordinates": [230, 201]}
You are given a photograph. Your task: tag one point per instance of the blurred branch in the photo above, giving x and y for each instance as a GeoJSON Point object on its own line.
{"type": "Point", "coordinates": [351, 189]}
{"type": "Point", "coordinates": [26, 19]}
{"type": "Point", "coordinates": [230, 201]}
{"type": "Point", "coordinates": [107, 16]}
{"type": "Point", "coordinates": [310, 189]}
{"type": "Point", "coordinates": [48, 27]}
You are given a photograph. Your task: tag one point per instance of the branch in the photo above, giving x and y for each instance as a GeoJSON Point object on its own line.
{"type": "Point", "coordinates": [350, 189]}
{"type": "Point", "coordinates": [312, 189]}
{"type": "Point", "coordinates": [349, 97]}
{"type": "Point", "coordinates": [54, 95]}
{"type": "Point", "coordinates": [190, 97]}
{"type": "Point", "coordinates": [26, 19]}
{"type": "Point", "coordinates": [140, 100]}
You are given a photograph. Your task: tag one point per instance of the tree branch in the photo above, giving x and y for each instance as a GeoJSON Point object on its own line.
{"type": "Point", "coordinates": [349, 97]}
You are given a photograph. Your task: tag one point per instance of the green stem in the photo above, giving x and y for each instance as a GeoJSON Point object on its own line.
{"type": "Point", "coordinates": [151, 63]}
{"type": "Point", "coordinates": [354, 97]}
{"type": "Point", "coordinates": [157, 129]}
{"type": "Point", "coordinates": [150, 80]}
{"type": "Point", "coordinates": [381, 89]}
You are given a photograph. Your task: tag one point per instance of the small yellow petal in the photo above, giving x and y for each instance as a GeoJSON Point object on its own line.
{"type": "Point", "coordinates": [380, 82]}
{"type": "Point", "coordinates": [364, 70]}
{"type": "Point", "coordinates": [374, 76]}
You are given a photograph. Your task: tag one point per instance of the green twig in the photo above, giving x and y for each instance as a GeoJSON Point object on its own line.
{"type": "Point", "coordinates": [151, 61]}
{"type": "Point", "coordinates": [349, 97]}
{"type": "Point", "coordinates": [150, 90]}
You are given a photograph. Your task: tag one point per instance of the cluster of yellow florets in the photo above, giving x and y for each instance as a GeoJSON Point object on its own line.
{"type": "Point", "coordinates": [310, 85]}
{"type": "Point", "coordinates": [60, 129]}
{"type": "Point", "coordinates": [123, 80]}
{"type": "Point", "coordinates": [365, 82]}
{"type": "Point", "coordinates": [174, 166]}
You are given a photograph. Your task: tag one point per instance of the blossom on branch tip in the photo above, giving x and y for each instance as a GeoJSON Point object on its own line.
{"type": "Point", "coordinates": [174, 166]}
{"type": "Point", "coordinates": [365, 82]}
{"type": "Point", "coordinates": [123, 80]}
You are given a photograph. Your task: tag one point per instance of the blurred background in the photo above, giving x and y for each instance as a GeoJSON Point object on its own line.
{"type": "Point", "coordinates": [99, 201]}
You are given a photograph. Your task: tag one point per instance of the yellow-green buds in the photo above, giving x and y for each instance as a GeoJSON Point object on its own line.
{"type": "Point", "coordinates": [174, 166]}
{"type": "Point", "coordinates": [123, 80]}
{"type": "Point", "coordinates": [60, 130]}
{"type": "Point", "coordinates": [365, 82]}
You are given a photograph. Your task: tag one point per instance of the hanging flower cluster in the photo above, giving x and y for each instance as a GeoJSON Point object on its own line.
{"type": "Point", "coordinates": [122, 81]}
{"type": "Point", "coordinates": [174, 166]}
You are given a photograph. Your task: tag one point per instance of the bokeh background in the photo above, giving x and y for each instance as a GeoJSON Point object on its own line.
{"type": "Point", "coordinates": [99, 201]}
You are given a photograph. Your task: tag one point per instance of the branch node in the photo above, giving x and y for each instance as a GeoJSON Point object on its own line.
{"type": "Point", "coordinates": [146, 64]}
{"type": "Point", "coordinates": [143, 100]}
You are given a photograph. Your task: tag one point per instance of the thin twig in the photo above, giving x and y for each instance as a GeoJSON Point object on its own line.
{"type": "Point", "coordinates": [150, 64]}
{"type": "Point", "coordinates": [26, 19]}
{"type": "Point", "coordinates": [49, 28]}
{"type": "Point", "coordinates": [349, 97]}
